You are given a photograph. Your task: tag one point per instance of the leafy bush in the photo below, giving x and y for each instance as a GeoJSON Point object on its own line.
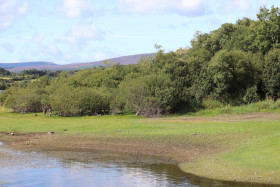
{"type": "Point", "coordinates": [268, 104]}
{"type": "Point", "coordinates": [271, 73]}
{"type": "Point", "coordinates": [23, 100]}
{"type": "Point", "coordinates": [150, 95]}
{"type": "Point", "coordinates": [94, 101]}
{"type": "Point", "coordinates": [65, 101]}
{"type": "Point", "coordinates": [211, 103]}
{"type": "Point", "coordinates": [251, 95]}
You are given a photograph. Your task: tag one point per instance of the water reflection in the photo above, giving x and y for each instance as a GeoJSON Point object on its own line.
{"type": "Point", "coordinates": [91, 169]}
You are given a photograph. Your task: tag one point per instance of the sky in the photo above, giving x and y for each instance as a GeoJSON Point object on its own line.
{"type": "Point", "coordinates": [70, 31]}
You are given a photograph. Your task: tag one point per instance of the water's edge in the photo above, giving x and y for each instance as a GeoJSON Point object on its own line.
{"type": "Point", "coordinates": [63, 160]}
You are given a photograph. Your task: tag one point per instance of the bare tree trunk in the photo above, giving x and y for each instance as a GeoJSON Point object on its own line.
{"type": "Point", "coordinates": [159, 110]}
{"type": "Point", "coordinates": [44, 109]}
{"type": "Point", "coordinates": [138, 112]}
{"type": "Point", "coordinates": [50, 111]}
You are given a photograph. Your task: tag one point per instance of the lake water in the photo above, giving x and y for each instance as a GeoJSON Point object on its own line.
{"type": "Point", "coordinates": [89, 169]}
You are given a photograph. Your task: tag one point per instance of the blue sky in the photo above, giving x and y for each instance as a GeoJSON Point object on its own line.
{"type": "Point", "coordinates": [68, 31]}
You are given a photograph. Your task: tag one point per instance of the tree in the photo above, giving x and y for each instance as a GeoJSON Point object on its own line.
{"type": "Point", "coordinates": [94, 101]}
{"type": "Point", "coordinates": [150, 95]}
{"type": "Point", "coordinates": [23, 100]}
{"type": "Point", "coordinates": [232, 73]}
{"type": "Point", "coordinates": [65, 101]}
{"type": "Point", "coordinates": [4, 72]}
{"type": "Point", "coordinates": [267, 29]}
{"type": "Point", "coordinates": [271, 73]}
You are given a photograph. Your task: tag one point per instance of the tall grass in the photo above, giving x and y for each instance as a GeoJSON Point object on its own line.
{"type": "Point", "coordinates": [214, 107]}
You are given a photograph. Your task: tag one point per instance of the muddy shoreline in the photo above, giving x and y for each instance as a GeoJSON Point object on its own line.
{"type": "Point", "coordinates": [44, 142]}
{"type": "Point", "coordinates": [166, 150]}
{"type": "Point", "coordinates": [31, 142]}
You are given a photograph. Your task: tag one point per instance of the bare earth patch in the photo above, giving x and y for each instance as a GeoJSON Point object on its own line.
{"type": "Point", "coordinates": [228, 118]}
{"type": "Point", "coordinates": [76, 143]}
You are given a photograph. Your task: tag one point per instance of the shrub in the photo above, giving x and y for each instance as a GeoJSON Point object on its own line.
{"type": "Point", "coordinates": [251, 95]}
{"type": "Point", "coordinates": [65, 101]}
{"type": "Point", "coordinates": [210, 103]}
{"type": "Point", "coordinates": [267, 104]}
{"type": "Point", "coordinates": [271, 73]}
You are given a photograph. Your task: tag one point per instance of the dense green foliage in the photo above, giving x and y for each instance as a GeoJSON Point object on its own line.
{"type": "Point", "coordinates": [235, 64]}
{"type": "Point", "coordinates": [3, 82]}
{"type": "Point", "coordinates": [4, 72]}
{"type": "Point", "coordinates": [34, 73]}
{"type": "Point", "coordinates": [8, 79]}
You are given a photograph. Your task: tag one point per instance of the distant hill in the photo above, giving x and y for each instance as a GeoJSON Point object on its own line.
{"type": "Point", "coordinates": [124, 60]}
{"type": "Point", "coordinates": [25, 64]}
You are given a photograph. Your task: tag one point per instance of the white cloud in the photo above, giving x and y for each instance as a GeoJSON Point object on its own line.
{"type": "Point", "coordinates": [183, 7]}
{"type": "Point", "coordinates": [53, 49]}
{"type": "Point", "coordinates": [82, 34]}
{"type": "Point", "coordinates": [233, 5]}
{"type": "Point", "coordinates": [100, 56]}
{"type": "Point", "coordinates": [76, 8]}
{"type": "Point", "coordinates": [23, 8]}
{"type": "Point", "coordinates": [50, 50]}
{"type": "Point", "coordinates": [101, 53]}
{"type": "Point", "coordinates": [10, 10]}
{"type": "Point", "coordinates": [192, 7]}
{"type": "Point", "coordinates": [47, 52]}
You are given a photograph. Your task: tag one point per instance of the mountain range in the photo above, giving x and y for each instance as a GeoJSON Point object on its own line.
{"type": "Point", "coordinates": [41, 65]}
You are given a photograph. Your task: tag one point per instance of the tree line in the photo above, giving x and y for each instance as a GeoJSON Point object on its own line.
{"type": "Point", "coordinates": [235, 64]}
{"type": "Point", "coordinates": [8, 79]}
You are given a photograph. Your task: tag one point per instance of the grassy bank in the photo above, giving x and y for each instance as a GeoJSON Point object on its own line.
{"type": "Point", "coordinates": [241, 147]}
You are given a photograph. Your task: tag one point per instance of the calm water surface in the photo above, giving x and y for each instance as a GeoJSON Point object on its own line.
{"type": "Point", "coordinates": [90, 169]}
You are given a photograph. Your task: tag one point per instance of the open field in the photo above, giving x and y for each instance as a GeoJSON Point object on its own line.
{"type": "Point", "coordinates": [5, 78]}
{"type": "Point", "coordinates": [241, 147]}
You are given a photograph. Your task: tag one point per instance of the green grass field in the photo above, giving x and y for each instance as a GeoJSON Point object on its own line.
{"type": "Point", "coordinates": [210, 143]}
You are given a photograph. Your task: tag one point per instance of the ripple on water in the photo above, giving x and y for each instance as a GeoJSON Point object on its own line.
{"type": "Point", "coordinates": [20, 168]}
